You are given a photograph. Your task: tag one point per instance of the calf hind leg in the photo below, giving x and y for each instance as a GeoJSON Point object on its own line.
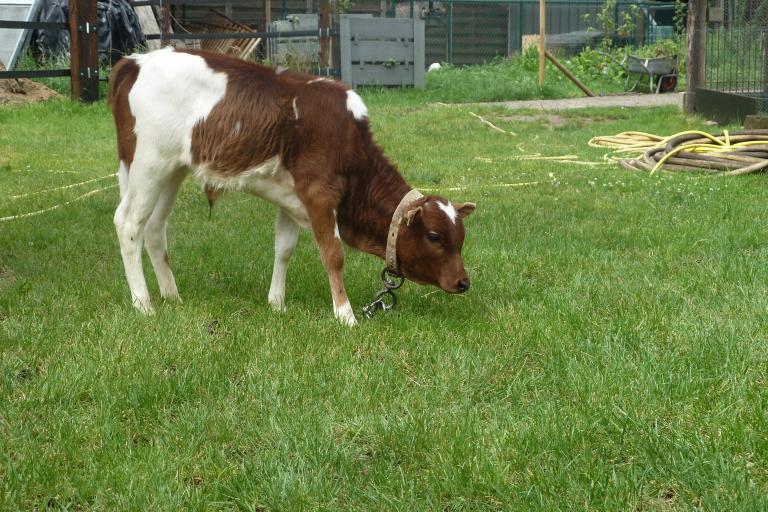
{"type": "Point", "coordinates": [286, 235]}
{"type": "Point", "coordinates": [155, 238]}
{"type": "Point", "coordinates": [145, 183]}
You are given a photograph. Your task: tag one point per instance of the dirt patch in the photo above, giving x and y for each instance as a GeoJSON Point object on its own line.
{"type": "Point", "coordinates": [17, 91]}
{"type": "Point", "coordinates": [551, 120]}
{"type": "Point", "coordinates": [555, 120]}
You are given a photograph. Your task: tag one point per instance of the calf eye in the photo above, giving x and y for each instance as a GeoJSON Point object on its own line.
{"type": "Point", "coordinates": [433, 237]}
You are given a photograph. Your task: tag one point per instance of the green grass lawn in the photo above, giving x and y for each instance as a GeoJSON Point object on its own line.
{"type": "Point", "coordinates": [611, 354]}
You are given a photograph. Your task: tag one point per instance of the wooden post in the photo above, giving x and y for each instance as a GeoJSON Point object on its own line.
{"type": "Point", "coordinates": [267, 5]}
{"type": "Point", "coordinates": [336, 50]}
{"type": "Point", "coordinates": [764, 36]}
{"type": "Point", "coordinates": [165, 28]}
{"type": "Point", "coordinates": [697, 51]}
{"type": "Point", "coordinates": [84, 50]}
{"type": "Point", "coordinates": [325, 18]}
{"type": "Point", "coordinates": [542, 39]}
{"type": "Point", "coordinates": [568, 74]}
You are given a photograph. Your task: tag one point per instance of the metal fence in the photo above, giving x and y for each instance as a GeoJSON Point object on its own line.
{"type": "Point", "coordinates": [474, 31]}
{"type": "Point", "coordinates": [737, 50]}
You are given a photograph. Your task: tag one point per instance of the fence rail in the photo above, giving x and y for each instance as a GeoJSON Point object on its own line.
{"type": "Point", "coordinates": [329, 32]}
{"type": "Point", "coordinates": [47, 25]}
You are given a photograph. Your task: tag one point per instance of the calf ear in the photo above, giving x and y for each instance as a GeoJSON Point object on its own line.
{"type": "Point", "coordinates": [464, 209]}
{"type": "Point", "coordinates": [410, 215]}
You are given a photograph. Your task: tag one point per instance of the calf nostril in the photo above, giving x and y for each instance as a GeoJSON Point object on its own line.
{"type": "Point", "coordinates": [463, 285]}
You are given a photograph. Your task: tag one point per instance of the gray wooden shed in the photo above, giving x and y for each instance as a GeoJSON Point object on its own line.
{"type": "Point", "coordinates": [381, 51]}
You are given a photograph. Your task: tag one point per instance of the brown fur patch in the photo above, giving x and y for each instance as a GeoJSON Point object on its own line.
{"type": "Point", "coordinates": [121, 81]}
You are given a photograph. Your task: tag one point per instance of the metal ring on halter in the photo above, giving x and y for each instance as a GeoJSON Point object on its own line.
{"type": "Point", "coordinates": [392, 281]}
{"type": "Point", "coordinates": [390, 278]}
{"type": "Point", "coordinates": [380, 298]}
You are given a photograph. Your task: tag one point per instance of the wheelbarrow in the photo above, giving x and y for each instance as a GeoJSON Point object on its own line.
{"type": "Point", "coordinates": [662, 70]}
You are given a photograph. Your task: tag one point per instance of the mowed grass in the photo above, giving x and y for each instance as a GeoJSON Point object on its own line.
{"type": "Point", "coordinates": [611, 354]}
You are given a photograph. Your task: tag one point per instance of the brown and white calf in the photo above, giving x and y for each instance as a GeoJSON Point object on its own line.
{"type": "Point", "coordinates": [300, 142]}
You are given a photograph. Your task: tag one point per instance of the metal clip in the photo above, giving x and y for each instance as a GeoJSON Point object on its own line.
{"type": "Point", "coordinates": [392, 281]}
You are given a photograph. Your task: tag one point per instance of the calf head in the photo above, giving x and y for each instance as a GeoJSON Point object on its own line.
{"type": "Point", "coordinates": [429, 243]}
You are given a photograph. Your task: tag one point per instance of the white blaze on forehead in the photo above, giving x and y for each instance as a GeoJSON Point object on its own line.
{"type": "Point", "coordinates": [449, 210]}
{"type": "Point", "coordinates": [356, 106]}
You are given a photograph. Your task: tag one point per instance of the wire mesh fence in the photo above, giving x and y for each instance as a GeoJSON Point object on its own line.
{"type": "Point", "coordinates": [472, 31]}
{"type": "Point", "coordinates": [464, 32]}
{"type": "Point", "coordinates": [737, 49]}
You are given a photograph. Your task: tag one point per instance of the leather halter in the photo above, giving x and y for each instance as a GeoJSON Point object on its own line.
{"type": "Point", "coordinates": [390, 257]}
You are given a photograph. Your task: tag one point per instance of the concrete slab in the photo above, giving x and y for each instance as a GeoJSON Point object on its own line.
{"type": "Point", "coordinates": [620, 100]}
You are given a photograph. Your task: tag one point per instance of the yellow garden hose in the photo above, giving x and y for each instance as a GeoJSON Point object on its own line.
{"type": "Point", "coordinates": [727, 154]}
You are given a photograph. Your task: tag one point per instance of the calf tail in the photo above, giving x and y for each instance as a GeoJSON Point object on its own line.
{"type": "Point", "coordinates": [121, 80]}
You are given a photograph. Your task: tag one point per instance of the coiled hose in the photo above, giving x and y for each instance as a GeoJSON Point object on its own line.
{"type": "Point", "coordinates": [727, 154]}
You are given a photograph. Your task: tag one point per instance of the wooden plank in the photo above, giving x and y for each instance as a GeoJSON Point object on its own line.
{"type": "Point", "coordinates": [375, 29]}
{"type": "Point", "coordinates": [379, 75]}
{"type": "Point", "coordinates": [568, 74]}
{"type": "Point", "coordinates": [381, 51]}
{"type": "Point", "coordinates": [148, 24]}
{"type": "Point", "coordinates": [345, 50]}
{"type": "Point", "coordinates": [418, 54]}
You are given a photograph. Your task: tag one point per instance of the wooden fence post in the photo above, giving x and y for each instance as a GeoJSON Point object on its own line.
{"type": "Point", "coordinates": [697, 51]}
{"type": "Point", "coordinates": [325, 20]}
{"type": "Point", "coordinates": [165, 25]}
{"type": "Point", "coordinates": [542, 39]}
{"type": "Point", "coordinates": [84, 50]}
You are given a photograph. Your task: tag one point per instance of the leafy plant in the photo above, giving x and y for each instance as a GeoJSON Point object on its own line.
{"type": "Point", "coordinates": [613, 23]}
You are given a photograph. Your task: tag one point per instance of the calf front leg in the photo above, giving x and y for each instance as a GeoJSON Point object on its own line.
{"type": "Point", "coordinates": [322, 217]}
{"type": "Point", "coordinates": [286, 235]}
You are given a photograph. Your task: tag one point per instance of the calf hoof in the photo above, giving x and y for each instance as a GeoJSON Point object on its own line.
{"type": "Point", "coordinates": [277, 304]}
{"type": "Point", "coordinates": [171, 297]}
{"type": "Point", "coordinates": [345, 315]}
{"type": "Point", "coordinates": [144, 306]}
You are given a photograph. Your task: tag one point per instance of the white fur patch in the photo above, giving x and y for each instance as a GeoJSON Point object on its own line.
{"type": "Point", "coordinates": [122, 177]}
{"type": "Point", "coordinates": [236, 129]}
{"type": "Point", "coordinates": [449, 210]}
{"type": "Point", "coordinates": [356, 106]}
{"type": "Point", "coordinates": [173, 92]}
{"type": "Point", "coordinates": [295, 109]}
{"type": "Point", "coordinates": [345, 314]}
{"type": "Point", "coordinates": [336, 226]}
{"type": "Point", "coordinates": [269, 180]}
{"type": "Point", "coordinates": [321, 79]}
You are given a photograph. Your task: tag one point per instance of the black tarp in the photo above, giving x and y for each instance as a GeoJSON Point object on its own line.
{"type": "Point", "coordinates": [117, 28]}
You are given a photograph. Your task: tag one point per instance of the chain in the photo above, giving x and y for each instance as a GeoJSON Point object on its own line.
{"type": "Point", "coordinates": [392, 281]}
